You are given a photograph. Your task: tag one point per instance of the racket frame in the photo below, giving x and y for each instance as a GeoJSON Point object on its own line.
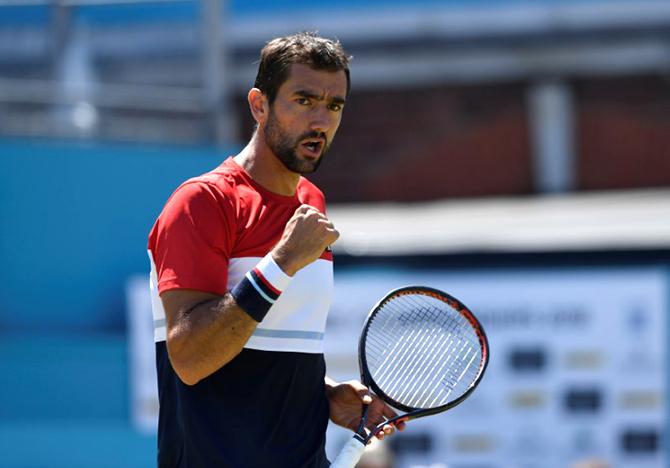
{"type": "Point", "coordinates": [411, 412]}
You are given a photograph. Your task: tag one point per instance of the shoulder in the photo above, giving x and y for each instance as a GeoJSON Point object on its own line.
{"type": "Point", "coordinates": [210, 199]}
{"type": "Point", "coordinates": [202, 206]}
{"type": "Point", "coordinates": [219, 186]}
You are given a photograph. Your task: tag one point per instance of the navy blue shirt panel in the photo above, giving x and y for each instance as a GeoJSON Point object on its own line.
{"type": "Point", "coordinates": [262, 409]}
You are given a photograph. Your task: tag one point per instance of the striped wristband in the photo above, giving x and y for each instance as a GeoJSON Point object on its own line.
{"type": "Point", "coordinates": [260, 288]}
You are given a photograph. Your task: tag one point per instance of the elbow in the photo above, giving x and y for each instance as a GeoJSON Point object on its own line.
{"type": "Point", "coordinates": [187, 378]}
{"type": "Point", "coordinates": [183, 365]}
{"type": "Point", "coordinates": [191, 366]}
{"type": "Point", "coordinates": [184, 370]}
{"type": "Point", "coordinates": [189, 373]}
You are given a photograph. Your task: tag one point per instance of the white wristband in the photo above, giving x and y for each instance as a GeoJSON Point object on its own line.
{"type": "Point", "coordinates": [273, 272]}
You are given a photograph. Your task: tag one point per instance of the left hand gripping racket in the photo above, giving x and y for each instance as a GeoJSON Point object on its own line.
{"type": "Point", "coordinates": [422, 352]}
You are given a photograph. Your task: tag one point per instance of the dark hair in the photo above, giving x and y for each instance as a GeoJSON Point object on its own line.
{"type": "Point", "coordinates": [305, 48]}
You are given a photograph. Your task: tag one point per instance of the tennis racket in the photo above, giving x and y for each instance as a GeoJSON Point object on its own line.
{"type": "Point", "coordinates": [422, 352]}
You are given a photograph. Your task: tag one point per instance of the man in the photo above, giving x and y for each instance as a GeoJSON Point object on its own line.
{"type": "Point", "coordinates": [242, 280]}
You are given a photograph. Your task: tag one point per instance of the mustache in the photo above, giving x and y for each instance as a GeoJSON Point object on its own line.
{"type": "Point", "coordinates": [314, 134]}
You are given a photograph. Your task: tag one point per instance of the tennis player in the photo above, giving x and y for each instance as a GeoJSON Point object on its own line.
{"type": "Point", "coordinates": [242, 280]}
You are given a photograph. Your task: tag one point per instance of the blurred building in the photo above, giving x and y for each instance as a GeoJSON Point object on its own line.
{"type": "Point", "coordinates": [450, 99]}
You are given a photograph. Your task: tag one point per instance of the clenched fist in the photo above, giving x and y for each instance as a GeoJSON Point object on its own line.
{"type": "Point", "coordinates": [306, 236]}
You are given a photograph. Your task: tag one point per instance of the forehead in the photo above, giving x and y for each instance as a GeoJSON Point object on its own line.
{"type": "Point", "coordinates": [320, 82]}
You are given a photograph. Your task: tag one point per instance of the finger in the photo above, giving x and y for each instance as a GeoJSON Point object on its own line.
{"type": "Point", "coordinates": [326, 222]}
{"type": "Point", "coordinates": [307, 211]}
{"type": "Point", "coordinates": [362, 391]}
{"type": "Point", "coordinates": [302, 209]}
{"type": "Point", "coordinates": [309, 208]}
{"type": "Point", "coordinates": [332, 235]}
{"type": "Point", "coordinates": [387, 430]}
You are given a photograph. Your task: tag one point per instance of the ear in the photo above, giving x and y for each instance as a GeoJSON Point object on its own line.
{"type": "Point", "coordinates": [258, 104]}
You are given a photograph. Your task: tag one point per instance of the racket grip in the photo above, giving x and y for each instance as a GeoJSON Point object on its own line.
{"type": "Point", "coordinates": [349, 455]}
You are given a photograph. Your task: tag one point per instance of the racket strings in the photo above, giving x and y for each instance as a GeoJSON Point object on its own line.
{"type": "Point", "coordinates": [418, 371]}
{"type": "Point", "coordinates": [420, 351]}
{"type": "Point", "coordinates": [440, 341]}
{"type": "Point", "coordinates": [416, 368]}
{"type": "Point", "coordinates": [411, 369]}
{"type": "Point", "coordinates": [408, 342]}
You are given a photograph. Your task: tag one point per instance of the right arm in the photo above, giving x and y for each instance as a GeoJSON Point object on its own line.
{"type": "Point", "coordinates": [205, 331]}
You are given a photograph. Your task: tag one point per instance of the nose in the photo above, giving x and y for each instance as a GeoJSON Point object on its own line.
{"type": "Point", "coordinates": [322, 120]}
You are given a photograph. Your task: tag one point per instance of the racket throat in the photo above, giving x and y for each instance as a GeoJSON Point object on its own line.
{"type": "Point", "coordinates": [361, 435]}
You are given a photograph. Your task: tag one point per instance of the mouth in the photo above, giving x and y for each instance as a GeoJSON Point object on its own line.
{"type": "Point", "coordinates": [313, 147]}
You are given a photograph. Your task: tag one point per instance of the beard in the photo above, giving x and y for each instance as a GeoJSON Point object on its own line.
{"type": "Point", "coordinates": [286, 148]}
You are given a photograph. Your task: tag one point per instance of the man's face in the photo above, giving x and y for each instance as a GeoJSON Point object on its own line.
{"type": "Point", "coordinates": [304, 117]}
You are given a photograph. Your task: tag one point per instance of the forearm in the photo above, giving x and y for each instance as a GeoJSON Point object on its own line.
{"type": "Point", "coordinates": [208, 336]}
{"type": "Point", "coordinates": [205, 331]}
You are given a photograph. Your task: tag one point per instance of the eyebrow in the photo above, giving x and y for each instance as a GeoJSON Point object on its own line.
{"type": "Point", "coordinates": [308, 94]}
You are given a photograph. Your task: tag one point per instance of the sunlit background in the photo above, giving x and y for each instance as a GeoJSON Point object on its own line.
{"type": "Point", "coordinates": [513, 153]}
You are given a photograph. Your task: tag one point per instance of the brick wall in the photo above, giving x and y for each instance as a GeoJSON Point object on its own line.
{"type": "Point", "coordinates": [623, 138]}
{"type": "Point", "coordinates": [422, 144]}
{"type": "Point", "coordinates": [469, 141]}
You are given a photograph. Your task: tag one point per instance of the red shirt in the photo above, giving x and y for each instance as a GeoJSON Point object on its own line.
{"type": "Point", "coordinates": [215, 228]}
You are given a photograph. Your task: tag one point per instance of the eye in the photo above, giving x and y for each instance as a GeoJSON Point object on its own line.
{"type": "Point", "coordinates": [335, 107]}
{"type": "Point", "coordinates": [303, 101]}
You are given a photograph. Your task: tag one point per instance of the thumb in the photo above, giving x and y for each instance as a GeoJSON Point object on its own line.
{"type": "Point", "coordinates": [362, 391]}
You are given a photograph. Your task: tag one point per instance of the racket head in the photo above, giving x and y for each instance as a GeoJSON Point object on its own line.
{"type": "Point", "coordinates": [440, 316]}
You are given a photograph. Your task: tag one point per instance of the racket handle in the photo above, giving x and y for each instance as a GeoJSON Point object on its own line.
{"type": "Point", "coordinates": [349, 455]}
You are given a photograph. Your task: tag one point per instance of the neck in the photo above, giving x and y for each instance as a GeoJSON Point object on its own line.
{"type": "Point", "coordinates": [259, 161]}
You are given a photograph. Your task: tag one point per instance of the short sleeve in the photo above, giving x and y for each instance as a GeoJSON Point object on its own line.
{"type": "Point", "coordinates": [191, 241]}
